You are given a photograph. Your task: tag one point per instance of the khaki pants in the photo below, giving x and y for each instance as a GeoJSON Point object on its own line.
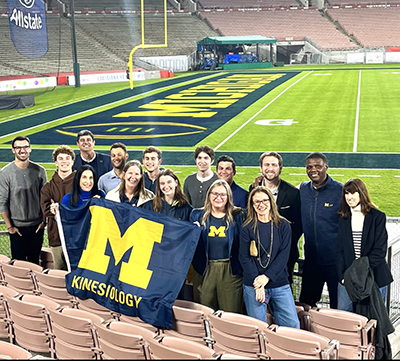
{"type": "Point", "coordinates": [58, 258]}
{"type": "Point", "coordinates": [219, 289]}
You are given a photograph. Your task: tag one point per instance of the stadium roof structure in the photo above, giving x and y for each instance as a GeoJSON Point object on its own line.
{"type": "Point", "coordinates": [225, 40]}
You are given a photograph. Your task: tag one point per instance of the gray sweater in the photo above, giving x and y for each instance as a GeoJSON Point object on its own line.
{"type": "Point", "coordinates": [196, 190]}
{"type": "Point", "coordinates": [20, 193]}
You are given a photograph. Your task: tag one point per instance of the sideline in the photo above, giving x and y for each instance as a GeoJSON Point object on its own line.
{"type": "Point", "coordinates": [355, 142]}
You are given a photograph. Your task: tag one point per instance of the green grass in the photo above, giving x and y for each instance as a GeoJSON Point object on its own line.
{"type": "Point", "coordinates": [324, 108]}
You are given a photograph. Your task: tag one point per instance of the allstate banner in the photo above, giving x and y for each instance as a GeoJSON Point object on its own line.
{"type": "Point", "coordinates": [128, 259]}
{"type": "Point", "coordinates": [28, 29]}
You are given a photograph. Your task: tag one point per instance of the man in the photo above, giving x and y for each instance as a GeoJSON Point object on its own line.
{"type": "Point", "coordinates": [196, 185]}
{"type": "Point", "coordinates": [101, 163]}
{"type": "Point", "coordinates": [112, 179]}
{"type": "Point", "coordinates": [320, 202]}
{"type": "Point", "coordinates": [151, 161]}
{"type": "Point", "coordinates": [287, 198]}
{"type": "Point", "coordinates": [226, 170]}
{"type": "Point", "coordinates": [20, 185]}
{"type": "Point", "coordinates": [53, 192]}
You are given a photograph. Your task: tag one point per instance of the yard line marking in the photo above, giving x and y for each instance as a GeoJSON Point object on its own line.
{"type": "Point", "coordinates": [397, 176]}
{"type": "Point", "coordinates": [369, 175]}
{"type": "Point", "coordinates": [357, 114]}
{"type": "Point", "coordinates": [297, 173]}
{"type": "Point", "coordinates": [336, 175]}
{"type": "Point", "coordinates": [251, 118]}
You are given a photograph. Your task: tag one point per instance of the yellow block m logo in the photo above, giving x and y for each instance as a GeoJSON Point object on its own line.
{"type": "Point", "coordinates": [140, 236]}
{"type": "Point", "coordinates": [214, 232]}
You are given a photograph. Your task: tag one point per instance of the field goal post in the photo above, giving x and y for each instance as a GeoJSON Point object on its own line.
{"type": "Point", "coordinates": [143, 45]}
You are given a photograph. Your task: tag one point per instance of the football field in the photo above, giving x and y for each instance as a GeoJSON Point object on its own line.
{"type": "Point", "coordinates": [349, 113]}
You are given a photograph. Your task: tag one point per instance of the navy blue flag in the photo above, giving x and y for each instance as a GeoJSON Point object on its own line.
{"type": "Point", "coordinates": [28, 28]}
{"type": "Point", "coordinates": [128, 259]}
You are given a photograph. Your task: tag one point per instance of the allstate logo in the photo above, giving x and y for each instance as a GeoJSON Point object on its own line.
{"type": "Point", "coordinates": [27, 3]}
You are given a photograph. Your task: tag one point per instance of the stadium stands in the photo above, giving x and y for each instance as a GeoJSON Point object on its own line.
{"type": "Point", "coordinates": [103, 42]}
{"type": "Point", "coordinates": [105, 38]}
{"type": "Point", "coordinates": [281, 24]}
{"type": "Point", "coordinates": [361, 2]}
{"type": "Point", "coordinates": [231, 4]}
{"type": "Point", "coordinates": [373, 27]}
{"type": "Point", "coordinates": [102, 5]}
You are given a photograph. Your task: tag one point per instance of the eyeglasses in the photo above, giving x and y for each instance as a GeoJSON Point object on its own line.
{"type": "Point", "coordinates": [25, 147]}
{"type": "Point", "coordinates": [263, 201]}
{"type": "Point", "coordinates": [216, 195]}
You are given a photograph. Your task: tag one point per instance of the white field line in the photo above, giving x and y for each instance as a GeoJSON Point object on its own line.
{"type": "Point", "coordinates": [244, 124]}
{"type": "Point", "coordinates": [369, 175]}
{"type": "Point", "coordinates": [355, 141]}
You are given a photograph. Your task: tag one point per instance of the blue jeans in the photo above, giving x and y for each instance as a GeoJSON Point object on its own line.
{"type": "Point", "coordinates": [344, 301]}
{"type": "Point", "coordinates": [282, 305]}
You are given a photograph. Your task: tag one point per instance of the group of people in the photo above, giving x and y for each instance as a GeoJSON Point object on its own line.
{"type": "Point", "coordinates": [248, 246]}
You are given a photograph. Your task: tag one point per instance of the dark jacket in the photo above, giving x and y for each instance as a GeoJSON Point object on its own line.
{"type": "Point", "coordinates": [173, 210]}
{"type": "Point", "coordinates": [368, 301]}
{"type": "Point", "coordinates": [101, 164]}
{"type": "Point", "coordinates": [277, 269]}
{"type": "Point", "coordinates": [373, 245]}
{"type": "Point", "coordinates": [320, 218]}
{"type": "Point", "coordinates": [150, 184]}
{"type": "Point", "coordinates": [55, 189]}
{"type": "Point", "coordinates": [288, 202]}
{"type": "Point", "coordinates": [240, 195]}
{"type": "Point", "coordinates": [200, 259]}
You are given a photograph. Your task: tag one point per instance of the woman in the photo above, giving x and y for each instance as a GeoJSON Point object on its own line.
{"type": "Point", "coordinates": [84, 187]}
{"type": "Point", "coordinates": [217, 254]}
{"type": "Point", "coordinates": [362, 232]}
{"type": "Point", "coordinates": [265, 243]}
{"type": "Point", "coordinates": [169, 198]}
{"type": "Point", "coordinates": [131, 190]}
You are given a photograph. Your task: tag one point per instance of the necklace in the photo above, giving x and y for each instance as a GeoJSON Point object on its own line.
{"type": "Point", "coordinates": [261, 246]}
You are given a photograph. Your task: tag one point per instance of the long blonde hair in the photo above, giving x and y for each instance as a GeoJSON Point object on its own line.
{"type": "Point", "coordinates": [252, 214]}
{"type": "Point", "coordinates": [229, 207]}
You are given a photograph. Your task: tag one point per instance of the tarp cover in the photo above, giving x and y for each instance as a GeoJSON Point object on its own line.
{"type": "Point", "coordinates": [16, 101]}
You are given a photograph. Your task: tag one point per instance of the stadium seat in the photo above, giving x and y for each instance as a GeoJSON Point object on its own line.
{"type": "Point", "coordinates": [5, 259]}
{"type": "Point", "coordinates": [31, 322]}
{"type": "Point", "coordinates": [354, 332]}
{"type": "Point", "coordinates": [9, 351]}
{"type": "Point", "coordinates": [190, 321]}
{"type": "Point", "coordinates": [303, 315]}
{"type": "Point", "coordinates": [173, 348]}
{"type": "Point", "coordinates": [138, 322]}
{"type": "Point", "coordinates": [46, 258]}
{"type": "Point", "coordinates": [92, 306]}
{"type": "Point", "coordinates": [291, 343]}
{"type": "Point", "coordinates": [19, 275]}
{"type": "Point", "coordinates": [75, 333]}
{"type": "Point", "coordinates": [238, 334]}
{"type": "Point", "coordinates": [51, 284]}
{"type": "Point", "coordinates": [6, 328]}
{"type": "Point", "coordinates": [121, 340]}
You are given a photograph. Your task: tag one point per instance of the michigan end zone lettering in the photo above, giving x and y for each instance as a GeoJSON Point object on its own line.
{"type": "Point", "coordinates": [203, 101]}
{"type": "Point", "coordinates": [178, 116]}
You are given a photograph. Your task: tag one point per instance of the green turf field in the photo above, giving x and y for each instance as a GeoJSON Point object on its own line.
{"type": "Point", "coordinates": [349, 110]}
